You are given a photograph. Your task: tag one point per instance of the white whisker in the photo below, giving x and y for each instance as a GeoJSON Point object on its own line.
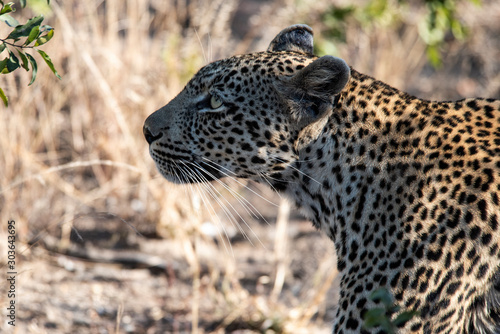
{"type": "Point", "coordinates": [247, 205]}
{"type": "Point", "coordinates": [266, 179]}
{"type": "Point", "coordinates": [219, 167]}
{"type": "Point", "coordinates": [232, 207]}
{"type": "Point", "coordinates": [201, 45]}
{"type": "Point", "coordinates": [202, 188]}
{"type": "Point", "coordinates": [213, 193]}
{"type": "Point", "coordinates": [298, 170]}
{"type": "Point", "coordinates": [210, 48]}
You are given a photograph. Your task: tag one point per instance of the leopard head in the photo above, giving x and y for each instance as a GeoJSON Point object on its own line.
{"type": "Point", "coordinates": [249, 115]}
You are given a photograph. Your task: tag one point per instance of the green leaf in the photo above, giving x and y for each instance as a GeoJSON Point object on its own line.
{"type": "Point", "coordinates": [374, 317]}
{"type": "Point", "coordinates": [2, 47]}
{"type": "Point", "coordinates": [457, 29]}
{"type": "Point", "coordinates": [45, 38]}
{"type": "Point", "coordinates": [24, 59]}
{"type": "Point", "coordinates": [25, 29]}
{"type": "Point", "coordinates": [23, 3]}
{"type": "Point", "coordinates": [393, 309]}
{"type": "Point", "coordinates": [12, 63]}
{"type": "Point", "coordinates": [376, 8]}
{"type": "Point", "coordinates": [34, 33]}
{"type": "Point", "coordinates": [404, 317]}
{"type": "Point", "coordinates": [433, 55]}
{"type": "Point", "coordinates": [9, 20]}
{"type": "Point", "coordinates": [7, 8]}
{"type": "Point", "coordinates": [49, 63]}
{"type": "Point", "coordinates": [45, 27]}
{"type": "Point", "coordinates": [382, 295]}
{"type": "Point", "coordinates": [4, 98]}
{"type": "Point", "coordinates": [34, 66]}
{"type": "Point", "coordinates": [3, 63]}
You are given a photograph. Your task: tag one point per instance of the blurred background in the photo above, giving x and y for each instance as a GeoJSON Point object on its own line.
{"type": "Point", "coordinates": [105, 245]}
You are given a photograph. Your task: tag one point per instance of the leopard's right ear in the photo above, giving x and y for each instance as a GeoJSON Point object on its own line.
{"type": "Point", "coordinates": [298, 37]}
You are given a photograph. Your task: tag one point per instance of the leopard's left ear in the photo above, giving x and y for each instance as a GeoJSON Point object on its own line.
{"type": "Point", "coordinates": [298, 37]}
{"type": "Point", "coordinates": [310, 93]}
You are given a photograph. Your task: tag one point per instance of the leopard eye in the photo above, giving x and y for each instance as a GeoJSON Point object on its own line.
{"type": "Point", "coordinates": [215, 102]}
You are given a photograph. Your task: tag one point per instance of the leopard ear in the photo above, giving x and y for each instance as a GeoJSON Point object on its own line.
{"type": "Point", "coordinates": [310, 93]}
{"type": "Point", "coordinates": [298, 37]}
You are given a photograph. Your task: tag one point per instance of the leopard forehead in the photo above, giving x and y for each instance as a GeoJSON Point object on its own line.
{"type": "Point", "coordinates": [258, 66]}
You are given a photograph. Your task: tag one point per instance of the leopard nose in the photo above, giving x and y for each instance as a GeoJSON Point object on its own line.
{"type": "Point", "coordinates": [149, 135]}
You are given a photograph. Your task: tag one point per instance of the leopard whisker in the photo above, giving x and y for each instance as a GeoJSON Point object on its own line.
{"type": "Point", "coordinates": [247, 205]}
{"type": "Point", "coordinates": [216, 196]}
{"type": "Point", "coordinates": [210, 48]}
{"type": "Point", "coordinates": [231, 206]}
{"type": "Point", "coordinates": [201, 46]}
{"type": "Point", "coordinates": [202, 187]}
{"type": "Point", "coordinates": [266, 178]}
{"type": "Point", "coordinates": [233, 192]}
{"type": "Point", "coordinates": [297, 169]}
{"type": "Point", "coordinates": [237, 181]}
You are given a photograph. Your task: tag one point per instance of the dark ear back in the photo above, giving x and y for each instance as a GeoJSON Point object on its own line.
{"type": "Point", "coordinates": [311, 91]}
{"type": "Point", "coordinates": [298, 37]}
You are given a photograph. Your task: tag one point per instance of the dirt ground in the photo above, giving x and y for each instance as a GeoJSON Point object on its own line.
{"type": "Point", "coordinates": [138, 284]}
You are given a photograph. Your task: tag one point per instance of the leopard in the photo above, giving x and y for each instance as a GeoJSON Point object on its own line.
{"type": "Point", "coordinates": [407, 189]}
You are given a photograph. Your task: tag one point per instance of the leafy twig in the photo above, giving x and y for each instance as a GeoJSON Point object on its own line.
{"type": "Point", "coordinates": [34, 34]}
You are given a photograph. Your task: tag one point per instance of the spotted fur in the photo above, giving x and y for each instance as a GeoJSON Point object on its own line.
{"type": "Point", "coordinates": [407, 189]}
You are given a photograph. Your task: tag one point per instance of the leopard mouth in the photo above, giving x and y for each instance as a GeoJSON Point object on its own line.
{"type": "Point", "coordinates": [184, 170]}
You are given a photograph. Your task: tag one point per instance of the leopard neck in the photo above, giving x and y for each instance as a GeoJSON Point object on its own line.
{"type": "Point", "coordinates": [369, 144]}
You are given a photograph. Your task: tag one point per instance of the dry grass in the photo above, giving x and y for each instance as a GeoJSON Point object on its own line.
{"type": "Point", "coordinates": [73, 150]}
